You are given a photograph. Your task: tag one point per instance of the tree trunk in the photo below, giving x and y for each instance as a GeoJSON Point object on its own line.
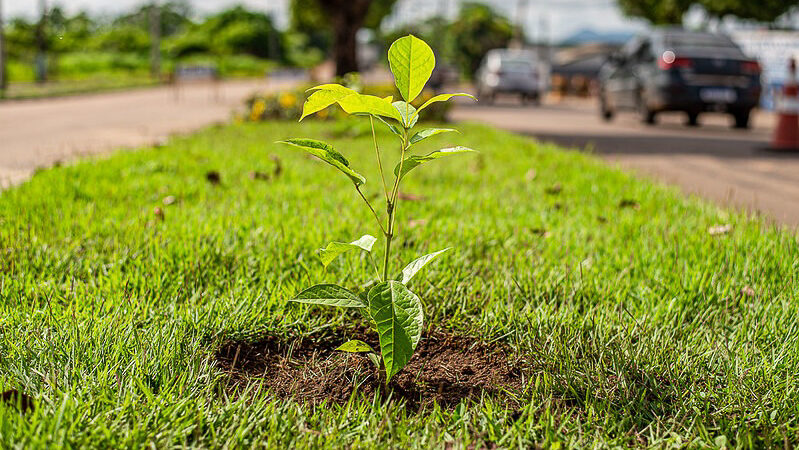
{"type": "Point", "coordinates": [347, 17]}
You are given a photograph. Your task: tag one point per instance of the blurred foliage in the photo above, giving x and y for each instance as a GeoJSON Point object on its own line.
{"type": "Point", "coordinates": [288, 104]}
{"type": "Point", "coordinates": [309, 16]}
{"type": "Point", "coordinates": [173, 17]}
{"type": "Point", "coordinates": [236, 41]}
{"type": "Point", "coordinates": [478, 29]}
{"type": "Point", "coordinates": [759, 10]}
{"type": "Point", "coordinates": [239, 41]}
{"type": "Point", "coordinates": [658, 12]}
{"type": "Point", "coordinates": [463, 42]}
{"type": "Point", "coordinates": [300, 50]}
{"type": "Point", "coordinates": [234, 31]}
{"type": "Point", "coordinates": [670, 12]}
{"type": "Point", "coordinates": [336, 23]}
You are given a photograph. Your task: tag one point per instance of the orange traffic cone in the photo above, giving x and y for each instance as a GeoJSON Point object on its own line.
{"type": "Point", "coordinates": [786, 136]}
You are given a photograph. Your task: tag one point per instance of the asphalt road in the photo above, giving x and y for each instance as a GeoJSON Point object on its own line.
{"type": "Point", "coordinates": [731, 167]}
{"type": "Point", "coordinates": [40, 133]}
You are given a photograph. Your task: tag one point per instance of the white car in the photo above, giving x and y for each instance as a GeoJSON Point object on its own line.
{"type": "Point", "coordinates": [506, 71]}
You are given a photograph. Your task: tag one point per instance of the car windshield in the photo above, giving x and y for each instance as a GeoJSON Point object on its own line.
{"type": "Point", "coordinates": [516, 65]}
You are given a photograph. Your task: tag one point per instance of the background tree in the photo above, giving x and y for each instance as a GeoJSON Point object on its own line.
{"type": "Point", "coordinates": [670, 12]}
{"type": "Point", "coordinates": [342, 18]}
{"type": "Point", "coordinates": [657, 12]}
{"type": "Point", "coordinates": [478, 29]}
{"type": "Point", "coordinates": [173, 17]}
{"type": "Point", "coordinates": [759, 10]}
{"type": "Point", "coordinates": [233, 31]}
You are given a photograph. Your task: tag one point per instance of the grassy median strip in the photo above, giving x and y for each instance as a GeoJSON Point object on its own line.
{"type": "Point", "coordinates": [641, 316]}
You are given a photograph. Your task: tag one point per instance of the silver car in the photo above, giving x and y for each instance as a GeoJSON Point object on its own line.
{"type": "Point", "coordinates": [505, 71]}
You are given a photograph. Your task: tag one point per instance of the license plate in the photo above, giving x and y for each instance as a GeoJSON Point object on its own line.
{"type": "Point", "coordinates": [718, 95]}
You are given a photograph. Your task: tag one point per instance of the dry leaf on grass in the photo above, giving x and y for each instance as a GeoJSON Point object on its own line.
{"type": "Point", "coordinates": [213, 177]}
{"type": "Point", "coordinates": [554, 189]}
{"type": "Point", "coordinates": [719, 229]}
{"type": "Point", "coordinates": [410, 197]}
{"type": "Point", "coordinates": [414, 223]}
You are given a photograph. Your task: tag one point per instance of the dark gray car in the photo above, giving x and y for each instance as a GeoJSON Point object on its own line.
{"type": "Point", "coordinates": [678, 70]}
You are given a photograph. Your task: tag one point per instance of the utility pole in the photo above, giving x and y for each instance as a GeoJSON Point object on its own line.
{"type": "Point", "coordinates": [521, 19]}
{"type": "Point", "coordinates": [155, 40]}
{"type": "Point", "coordinates": [3, 78]}
{"type": "Point", "coordinates": [41, 44]}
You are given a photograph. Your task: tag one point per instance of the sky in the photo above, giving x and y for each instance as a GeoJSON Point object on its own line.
{"type": "Point", "coordinates": [552, 19]}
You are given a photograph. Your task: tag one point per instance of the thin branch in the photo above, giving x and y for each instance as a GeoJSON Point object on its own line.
{"type": "Point", "coordinates": [395, 191]}
{"type": "Point", "coordinates": [391, 206]}
{"type": "Point", "coordinates": [374, 264]}
{"type": "Point", "coordinates": [377, 153]}
{"type": "Point", "coordinates": [357, 188]}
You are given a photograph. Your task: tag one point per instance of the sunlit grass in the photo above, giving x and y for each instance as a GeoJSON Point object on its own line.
{"type": "Point", "coordinates": [640, 325]}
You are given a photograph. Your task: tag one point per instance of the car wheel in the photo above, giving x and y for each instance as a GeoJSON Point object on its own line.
{"type": "Point", "coordinates": [692, 119]}
{"type": "Point", "coordinates": [742, 119]}
{"type": "Point", "coordinates": [605, 112]}
{"type": "Point", "coordinates": [648, 116]}
{"type": "Point", "coordinates": [530, 99]}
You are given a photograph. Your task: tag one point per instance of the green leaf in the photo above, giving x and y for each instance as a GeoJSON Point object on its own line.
{"type": "Point", "coordinates": [330, 87]}
{"type": "Point", "coordinates": [398, 314]}
{"type": "Point", "coordinates": [330, 295]}
{"type": "Point", "coordinates": [355, 346]}
{"type": "Point", "coordinates": [326, 153]}
{"type": "Point", "coordinates": [324, 96]}
{"type": "Point", "coordinates": [443, 98]}
{"type": "Point", "coordinates": [412, 62]}
{"type": "Point", "coordinates": [369, 104]}
{"type": "Point", "coordinates": [407, 112]}
{"type": "Point", "coordinates": [350, 101]}
{"type": "Point", "coordinates": [414, 161]}
{"type": "Point", "coordinates": [424, 134]}
{"type": "Point", "coordinates": [391, 126]}
{"type": "Point", "coordinates": [417, 264]}
{"type": "Point", "coordinates": [334, 249]}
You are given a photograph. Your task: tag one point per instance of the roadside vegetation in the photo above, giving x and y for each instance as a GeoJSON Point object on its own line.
{"type": "Point", "coordinates": [632, 315]}
{"type": "Point", "coordinates": [86, 53]}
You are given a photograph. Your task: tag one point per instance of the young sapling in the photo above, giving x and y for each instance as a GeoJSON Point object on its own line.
{"type": "Point", "coordinates": [393, 310]}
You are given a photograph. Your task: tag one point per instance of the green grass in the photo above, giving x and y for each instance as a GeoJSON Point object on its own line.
{"type": "Point", "coordinates": [633, 320]}
{"type": "Point", "coordinates": [90, 72]}
{"type": "Point", "coordinates": [29, 90]}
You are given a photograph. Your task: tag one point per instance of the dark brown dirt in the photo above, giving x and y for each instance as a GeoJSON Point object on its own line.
{"type": "Point", "coordinates": [446, 369]}
{"type": "Point", "coordinates": [19, 399]}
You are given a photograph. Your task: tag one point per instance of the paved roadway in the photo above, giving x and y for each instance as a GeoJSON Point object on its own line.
{"type": "Point", "coordinates": [40, 133]}
{"type": "Point", "coordinates": [729, 166]}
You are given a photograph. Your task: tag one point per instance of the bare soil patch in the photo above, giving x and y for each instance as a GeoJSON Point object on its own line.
{"type": "Point", "coordinates": [446, 369]}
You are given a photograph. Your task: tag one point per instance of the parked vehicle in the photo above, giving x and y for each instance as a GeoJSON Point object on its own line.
{"type": "Point", "coordinates": [677, 70]}
{"type": "Point", "coordinates": [505, 71]}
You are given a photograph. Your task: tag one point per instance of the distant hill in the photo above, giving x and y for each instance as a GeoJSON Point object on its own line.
{"type": "Point", "coordinates": [587, 35]}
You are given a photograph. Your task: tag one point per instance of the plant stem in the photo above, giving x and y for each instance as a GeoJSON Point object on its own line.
{"type": "Point", "coordinates": [374, 264]}
{"type": "Point", "coordinates": [357, 188]}
{"type": "Point", "coordinates": [389, 237]}
{"type": "Point", "coordinates": [391, 207]}
{"type": "Point", "coordinates": [377, 153]}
